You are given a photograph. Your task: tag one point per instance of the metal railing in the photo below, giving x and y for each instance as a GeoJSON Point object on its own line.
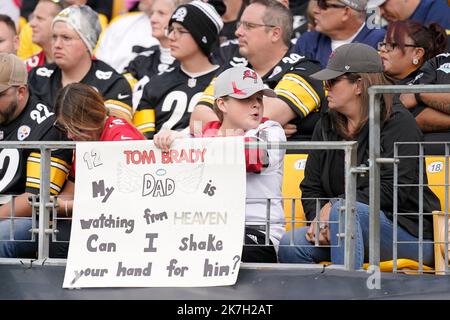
{"type": "Point", "coordinates": [351, 171]}
{"type": "Point", "coordinates": [374, 156]}
{"type": "Point", "coordinates": [45, 204]}
{"type": "Point", "coordinates": [423, 181]}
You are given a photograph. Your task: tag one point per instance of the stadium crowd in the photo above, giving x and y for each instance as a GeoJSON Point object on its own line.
{"type": "Point", "coordinates": [166, 69]}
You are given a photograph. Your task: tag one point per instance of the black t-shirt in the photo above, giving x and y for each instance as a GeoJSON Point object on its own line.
{"type": "Point", "coordinates": [168, 99]}
{"type": "Point", "coordinates": [434, 71]}
{"type": "Point", "coordinates": [104, 7]}
{"type": "Point", "coordinates": [148, 63]}
{"type": "Point", "coordinates": [45, 82]}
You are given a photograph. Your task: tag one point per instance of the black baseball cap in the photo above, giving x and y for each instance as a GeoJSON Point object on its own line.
{"type": "Point", "coordinates": [351, 57]}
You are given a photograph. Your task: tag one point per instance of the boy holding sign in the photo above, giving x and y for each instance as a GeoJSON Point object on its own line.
{"type": "Point", "coordinates": [238, 94]}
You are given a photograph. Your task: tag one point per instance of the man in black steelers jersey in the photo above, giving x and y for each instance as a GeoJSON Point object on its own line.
{"type": "Point", "coordinates": [75, 31]}
{"type": "Point", "coordinates": [24, 118]}
{"type": "Point", "coordinates": [168, 98]}
{"type": "Point", "coordinates": [264, 44]}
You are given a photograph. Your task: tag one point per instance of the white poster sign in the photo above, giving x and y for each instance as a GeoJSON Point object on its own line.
{"type": "Point", "coordinates": [146, 218]}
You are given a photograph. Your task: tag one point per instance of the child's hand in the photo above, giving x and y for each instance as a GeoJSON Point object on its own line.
{"type": "Point", "coordinates": [164, 138]}
{"type": "Point", "coordinates": [289, 129]}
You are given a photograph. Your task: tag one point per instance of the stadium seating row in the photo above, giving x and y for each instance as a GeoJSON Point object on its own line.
{"type": "Point", "coordinates": [294, 169]}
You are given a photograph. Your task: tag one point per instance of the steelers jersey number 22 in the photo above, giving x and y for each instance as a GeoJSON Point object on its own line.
{"type": "Point", "coordinates": [9, 164]}
{"type": "Point", "coordinates": [176, 103]}
{"type": "Point", "coordinates": [41, 113]}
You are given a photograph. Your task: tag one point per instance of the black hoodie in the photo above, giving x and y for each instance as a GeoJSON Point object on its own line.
{"type": "Point", "coordinates": [325, 176]}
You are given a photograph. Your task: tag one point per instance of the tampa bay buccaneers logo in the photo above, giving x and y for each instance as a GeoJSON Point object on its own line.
{"type": "Point", "coordinates": [236, 90]}
{"type": "Point", "coordinates": [250, 74]}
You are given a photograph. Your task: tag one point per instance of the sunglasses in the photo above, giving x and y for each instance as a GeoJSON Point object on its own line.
{"type": "Point", "coordinates": [324, 5]}
{"type": "Point", "coordinates": [330, 83]}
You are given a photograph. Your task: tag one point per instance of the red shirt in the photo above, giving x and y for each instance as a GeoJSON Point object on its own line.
{"type": "Point", "coordinates": [38, 60]}
{"type": "Point", "coordinates": [118, 129]}
{"type": "Point", "coordinates": [115, 129]}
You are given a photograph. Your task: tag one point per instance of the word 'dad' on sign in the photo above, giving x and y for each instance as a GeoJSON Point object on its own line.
{"type": "Point", "coordinates": [146, 218]}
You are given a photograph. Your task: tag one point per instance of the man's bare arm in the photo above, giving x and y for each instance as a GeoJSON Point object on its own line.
{"type": "Point", "coordinates": [437, 101]}
{"type": "Point", "coordinates": [277, 110]}
{"type": "Point", "coordinates": [431, 120]}
{"type": "Point", "coordinates": [21, 207]}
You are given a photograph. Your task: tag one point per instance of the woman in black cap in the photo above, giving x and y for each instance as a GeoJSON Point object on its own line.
{"type": "Point", "coordinates": [351, 70]}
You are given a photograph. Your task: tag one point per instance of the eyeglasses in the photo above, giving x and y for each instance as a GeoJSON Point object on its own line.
{"type": "Point", "coordinates": [66, 40]}
{"type": "Point", "coordinates": [324, 5]}
{"type": "Point", "coordinates": [250, 25]}
{"type": "Point", "coordinates": [389, 46]}
{"type": "Point", "coordinates": [176, 31]}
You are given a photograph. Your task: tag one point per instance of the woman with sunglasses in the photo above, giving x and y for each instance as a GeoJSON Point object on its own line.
{"type": "Point", "coordinates": [351, 70]}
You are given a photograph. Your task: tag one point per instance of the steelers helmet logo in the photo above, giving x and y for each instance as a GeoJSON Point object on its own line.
{"type": "Point", "coordinates": [23, 132]}
{"type": "Point", "coordinates": [180, 14]}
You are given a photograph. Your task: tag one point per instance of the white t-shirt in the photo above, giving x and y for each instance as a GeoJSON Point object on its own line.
{"type": "Point", "coordinates": [267, 184]}
{"type": "Point", "coordinates": [337, 43]}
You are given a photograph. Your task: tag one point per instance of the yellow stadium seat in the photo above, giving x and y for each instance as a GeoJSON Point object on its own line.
{"type": "Point", "coordinates": [388, 266]}
{"type": "Point", "coordinates": [402, 264]}
{"type": "Point", "coordinates": [435, 170]}
{"type": "Point", "coordinates": [26, 46]}
{"type": "Point", "coordinates": [294, 171]}
{"type": "Point", "coordinates": [439, 238]}
{"type": "Point", "coordinates": [118, 8]}
{"type": "Point", "coordinates": [22, 22]}
{"type": "Point", "coordinates": [435, 167]}
{"type": "Point", "coordinates": [103, 20]}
